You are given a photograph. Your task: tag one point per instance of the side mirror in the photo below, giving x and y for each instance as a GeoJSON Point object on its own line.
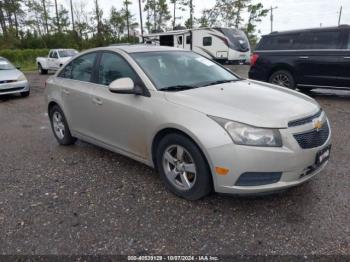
{"type": "Point", "coordinates": [18, 67]}
{"type": "Point", "coordinates": [125, 86]}
{"type": "Point", "coordinates": [122, 86]}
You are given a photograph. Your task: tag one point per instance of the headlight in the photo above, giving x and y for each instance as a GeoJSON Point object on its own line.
{"type": "Point", "coordinates": [21, 78]}
{"type": "Point", "coordinates": [243, 134]}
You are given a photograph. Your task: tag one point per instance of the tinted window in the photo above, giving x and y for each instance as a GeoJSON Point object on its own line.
{"type": "Point", "coordinates": [113, 67]}
{"type": "Point", "coordinates": [207, 41]}
{"type": "Point", "coordinates": [80, 68]}
{"type": "Point", "coordinates": [281, 42]}
{"type": "Point", "coordinates": [319, 40]}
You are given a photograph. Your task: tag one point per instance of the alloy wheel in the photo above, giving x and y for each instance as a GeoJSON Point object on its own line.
{"type": "Point", "coordinates": [179, 167]}
{"type": "Point", "coordinates": [281, 80]}
{"type": "Point", "coordinates": [58, 125]}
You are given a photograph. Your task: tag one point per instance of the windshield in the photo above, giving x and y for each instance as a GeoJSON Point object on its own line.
{"type": "Point", "coordinates": [68, 53]}
{"type": "Point", "coordinates": [5, 65]}
{"type": "Point", "coordinates": [237, 38]}
{"type": "Point", "coordinates": [181, 68]}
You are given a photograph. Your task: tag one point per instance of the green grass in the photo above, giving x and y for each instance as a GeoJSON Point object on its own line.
{"type": "Point", "coordinates": [24, 58]}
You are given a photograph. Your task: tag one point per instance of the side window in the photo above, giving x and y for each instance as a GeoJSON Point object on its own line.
{"type": "Point", "coordinates": [325, 40]}
{"type": "Point", "coordinates": [188, 40]}
{"type": "Point", "coordinates": [113, 67]}
{"type": "Point", "coordinates": [51, 54]}
{"type": "Point", "coordinates": [66, 72]}
{"type": "Point", "coordinates": [179, 40]}
{"type": "Point", "coordinates": [207, 41]}
{"type": "Point", "coordinates": [54, 55]}
{"type": "Point", "coordinates": [81, 68]}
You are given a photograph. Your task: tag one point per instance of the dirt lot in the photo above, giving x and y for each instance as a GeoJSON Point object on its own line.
{"type": "Point", "coordinates": [86, 200]}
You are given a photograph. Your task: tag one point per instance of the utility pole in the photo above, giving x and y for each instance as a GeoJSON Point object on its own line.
{"type": "Point", "coordinates": [71, 11]}
{"type": "Point", "coordinates": [141, 23]}
{"type": "Point", "coordinates": [341, 10]}
{"type": "Point", "coordinates": [174, 22]}
{"type": "Point", "coordinates": [271, 16]}
{"type": "Point", "coordinates": [57, 18]}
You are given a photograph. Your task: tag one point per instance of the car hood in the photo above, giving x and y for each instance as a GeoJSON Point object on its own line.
{"type": "Point", "coordinates": [12, 74]}
{"type": "Point", "coordinates": [251, 102]}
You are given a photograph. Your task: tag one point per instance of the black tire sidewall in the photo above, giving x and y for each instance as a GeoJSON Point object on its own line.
{"type": "Point", "coordinates": [68, 139]}
{"type": "Point", "coordinates": [288, 74]}
{"type": "Point", "coordinates": [203, 184]}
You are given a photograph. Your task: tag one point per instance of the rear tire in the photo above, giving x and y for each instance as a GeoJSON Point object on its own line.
{"type": "Point", "coordinates": [41, 70]}
{"type": "Point", "coordinates": [183, 167]}
{"type": "Point", "coordinates": [283, 78]}
{"type": "Point", "coordinates": [60, 127]}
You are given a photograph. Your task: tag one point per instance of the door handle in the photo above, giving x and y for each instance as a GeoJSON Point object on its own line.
{"type": "Point", "coordinates": [346, 57]}
{"type": "Point", "coordinates": [97, 101]}
{"type": "Point", "coordinates": [303, 57]}
{"type": "Point", "coordinates": [65, 91]}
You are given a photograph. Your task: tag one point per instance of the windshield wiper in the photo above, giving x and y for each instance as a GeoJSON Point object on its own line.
{"type": "Point", "coordinates": [177, 88]}
{"type": "Point", "coordinates": [219, 82]}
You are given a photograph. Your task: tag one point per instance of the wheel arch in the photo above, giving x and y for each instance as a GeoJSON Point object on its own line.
{"type": "Point", "coordinates": [173, 130]}
{"type": "Point", "coordinates": [281, 66]}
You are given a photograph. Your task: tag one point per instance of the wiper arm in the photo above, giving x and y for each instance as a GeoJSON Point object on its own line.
{"type": "Point", "coordinates": [177, 88]}
{"type": "Point", "coordinates": [218, 82]}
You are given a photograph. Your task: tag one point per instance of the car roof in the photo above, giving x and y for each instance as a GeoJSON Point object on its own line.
{"type": "Point", "coordinates": [305, 30]}
{"type": "Point", "coordinates": [141, 48]}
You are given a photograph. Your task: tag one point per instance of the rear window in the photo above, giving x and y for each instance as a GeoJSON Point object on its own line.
{"type": "Point", "coordinates": [281, 42]}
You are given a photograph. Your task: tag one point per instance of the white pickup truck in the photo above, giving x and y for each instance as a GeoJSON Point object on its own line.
{"type": "Point", "coordinates": [55, 59]}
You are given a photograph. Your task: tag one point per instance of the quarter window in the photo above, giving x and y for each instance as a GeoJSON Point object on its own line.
{"type": "Point", "coordinates": [113, 67]}
{"type": "Point", "coordinates": [207, 41]}
{"type": "Point", "coordinates": [326, 40]}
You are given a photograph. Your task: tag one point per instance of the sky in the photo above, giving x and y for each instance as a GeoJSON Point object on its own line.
{"type": "Point", "coordinates": [290, 14]}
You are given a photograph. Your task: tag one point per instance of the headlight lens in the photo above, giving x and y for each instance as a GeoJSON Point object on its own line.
{"type": "Point", "coordinates": [21, 78]}
{"type": "Point", "coordinates": [243, 134]}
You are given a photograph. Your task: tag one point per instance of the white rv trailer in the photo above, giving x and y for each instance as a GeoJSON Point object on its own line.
{"type": "Point", "coordinates": [226, 45]}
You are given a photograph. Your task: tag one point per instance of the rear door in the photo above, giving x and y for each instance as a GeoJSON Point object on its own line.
{"type": "Point", "coordinates": [179, 41]}
{"type": "Point", "coordinates": [76, 82]}
{"type": "Point", "coordinates": [317, 57]}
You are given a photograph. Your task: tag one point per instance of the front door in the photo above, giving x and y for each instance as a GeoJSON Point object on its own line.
{"type": "Point", "coordinates": [119, 120]}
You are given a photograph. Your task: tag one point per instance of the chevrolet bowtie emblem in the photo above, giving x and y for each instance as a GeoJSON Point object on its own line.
{"type": "Point", "coordinates": [317, 125]}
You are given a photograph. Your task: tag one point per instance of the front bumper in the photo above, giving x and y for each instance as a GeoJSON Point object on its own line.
{"type": "Point", "coordinates": [14, 87]}
{"type": "Point", "coordinates": [291, 161]}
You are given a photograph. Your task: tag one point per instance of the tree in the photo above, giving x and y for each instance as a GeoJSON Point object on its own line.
{"type": "Point", "coordinates": [256, 12]}
{"type": "Point", "coordinates": [178, 5]}
{"type": "Point", "coordinates": [117, 23]}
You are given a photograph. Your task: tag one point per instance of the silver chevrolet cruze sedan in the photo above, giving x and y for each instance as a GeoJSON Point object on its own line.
{"type": "Point", "coordinates": [200, 125]}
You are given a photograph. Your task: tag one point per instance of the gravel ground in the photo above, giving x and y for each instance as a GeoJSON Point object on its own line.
{"type": "Point", "coordinates": [86, 200]}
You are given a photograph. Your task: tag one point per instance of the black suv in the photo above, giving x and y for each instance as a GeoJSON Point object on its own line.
{"type": "Point", "coordinates": [306, 59]}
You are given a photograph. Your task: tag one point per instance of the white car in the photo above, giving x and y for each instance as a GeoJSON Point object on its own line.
{"type": "Point", "coordinates": [55, 59]}
{"type": "Point", "coordinates": [12, 81]}
{"type": "Point", "coordinates": [201, 126]}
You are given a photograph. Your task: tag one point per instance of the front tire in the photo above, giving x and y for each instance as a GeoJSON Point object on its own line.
{"type": "Point", "coordinates": [183, 167]}
{"type": "Point", "coordinates": [25, 94]}
{"type": "Point", "coordinates": [41, 70]}
{"type": "Point", "coordinates": [60, 127]}
{"type": "Point", "coordinates": [283, 78]}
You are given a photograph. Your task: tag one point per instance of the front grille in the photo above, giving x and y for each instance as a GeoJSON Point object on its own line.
{"type": "Point", "coordinates": [305, 120]}
{"type": "Point", "coordinates": [313, 138]}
